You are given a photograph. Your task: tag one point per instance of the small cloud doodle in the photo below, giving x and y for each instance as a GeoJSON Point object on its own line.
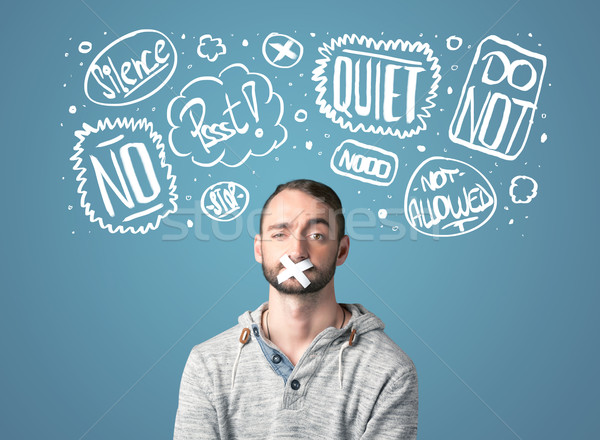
{"type": "Point", "coordinates": [210, 48]}
{"type": "Point", "coordinates": [523, 189]}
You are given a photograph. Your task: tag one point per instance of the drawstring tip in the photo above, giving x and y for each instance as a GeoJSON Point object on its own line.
{"type": "Point", "coordinates": [244, 338]}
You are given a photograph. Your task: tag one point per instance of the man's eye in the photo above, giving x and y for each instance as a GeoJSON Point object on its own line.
{"type": "Point", "coordinates": [317, 236]}
{"type": "Point", "coordinates": [279, 235]}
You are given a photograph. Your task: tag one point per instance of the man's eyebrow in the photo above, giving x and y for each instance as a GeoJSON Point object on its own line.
{"type": "Point", "coordinates": [278, 226]}
{"type": "Point", "coordinates": [318, 220]}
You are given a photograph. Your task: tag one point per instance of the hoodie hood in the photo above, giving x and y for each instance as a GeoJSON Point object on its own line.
{"type": "Point", "coordinates": [361, 321]}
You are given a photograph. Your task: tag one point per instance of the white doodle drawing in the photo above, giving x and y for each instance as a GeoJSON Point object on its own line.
{"type": "Point", "coordinates": [522, 186]}
{"type": "Point", "coordinates": [446, 198]}
{"type": "Point", "coordinates": [131, 68]}
{"type": "Point", "coordinates": [486, 118]}
{"type": "Point", "coordinates": [125, 183]}
{"type": "Point", "coordinates": [365, 163]}
{"type": "Point", "coordinates": [210, 48]}
{"type": "Point", "coordinates": [295, 270]}
{"type": "Point", "coordinates": [85, 47]}
{"type": "Point", "coordinates": [226, 119]}
{"type": "Point", "coordinates": [301, 115]}
{"type": "Point", "coordinates": [382, 87]}
{"type": "Point", "coordinates": [224, 201]}
{"type": "Point", "coordinates": [282, 50]}
{"type": "Point", "coordinates": [453, 42]}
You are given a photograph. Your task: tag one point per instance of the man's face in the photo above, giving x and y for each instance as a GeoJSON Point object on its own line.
{"type": "Point", "coordinates": [300, 226]}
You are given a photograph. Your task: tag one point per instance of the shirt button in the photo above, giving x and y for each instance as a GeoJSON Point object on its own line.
{"type": "Point", "coordinates": [295, 385]}
{"type": "Point", "coordinates": [255, 330]}
{"type": "Point", "coordinates": [276, 358]}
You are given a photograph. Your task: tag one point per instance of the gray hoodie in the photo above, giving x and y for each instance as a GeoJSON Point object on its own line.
{"type": "Point", "coordinates": [351, 383]}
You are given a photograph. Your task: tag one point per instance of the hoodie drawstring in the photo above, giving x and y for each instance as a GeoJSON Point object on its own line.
{"type": "Point", "coordinates": [244, 338]}
{"type": "Point", "coordinates": [344, 346]}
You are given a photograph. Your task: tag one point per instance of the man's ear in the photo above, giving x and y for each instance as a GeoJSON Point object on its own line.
{"type": "Point", "coordinates": [258, 248]}
{"type": "Point", "coordinates": [343, 249]}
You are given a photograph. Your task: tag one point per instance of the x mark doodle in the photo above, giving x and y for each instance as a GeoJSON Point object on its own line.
{"type": "Point", "coordinates": [295, 270]}
{"type": "Point", "coordinates": [284, 50]}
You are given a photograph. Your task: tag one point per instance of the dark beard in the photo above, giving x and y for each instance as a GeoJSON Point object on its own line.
{"type": "Point", "coordinates": [319, 278]}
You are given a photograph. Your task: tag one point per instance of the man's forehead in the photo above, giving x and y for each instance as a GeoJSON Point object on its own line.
{"type": "Point", "coordinates": [290, 206]}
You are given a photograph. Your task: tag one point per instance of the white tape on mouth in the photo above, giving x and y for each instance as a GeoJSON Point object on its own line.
{"type": "Point", "coordinates": [294, 270]}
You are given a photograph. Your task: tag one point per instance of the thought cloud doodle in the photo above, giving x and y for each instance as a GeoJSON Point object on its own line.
{"type": "Point", "coordinates": [210, 48]}
{"type": "Point", "coordinates": [226, 119]}
{"type": "Point", "coordinates": [125, 183]}
{"type": "Point", "coordinates": [383, 87]}
{"type": "Point", "coordinates": [499, 99]}
{"type": "Point", "coordinates": [365, 163]}
{"type": "Point", "coordinates": [446, 197]}
{"type": "Point", "coordinates": [523, 189]}
{"type": "Point", "coordinates": [131, 68]}
{"type": "Point", "coordinates": [282, 50]}
{"type": "Point", "coordinates": [224, 201]}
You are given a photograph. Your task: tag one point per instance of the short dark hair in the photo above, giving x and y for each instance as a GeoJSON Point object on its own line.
{"type": "Point", "coordinates": [319, 191]}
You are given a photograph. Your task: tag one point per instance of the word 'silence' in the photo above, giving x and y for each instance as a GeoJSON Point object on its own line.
{"type": "Point", "coordinates": [131, 68]}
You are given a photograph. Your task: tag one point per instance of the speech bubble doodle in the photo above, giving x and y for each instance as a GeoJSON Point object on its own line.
{"type": "Point", "coordinates": [501, 92]}
{"type": "Point", "coordinates": [376, 86]}
{"type": "Point", "coordinates": [448, 195]}
{"type": "Point", "coordinates": [365, 163]}
{"type": "Point", "coordinates": [210, 48]}
{"type": "Point", "coordinates": [131, 68]}
{"type": "Point", "coordinates": [226, 119]}
{"type": "Point", "coordinates": [282, 50]}
{"type": "Point", "coordinates": [526, 186]}
{"type": "Point", "coordinates": [224, 201]}
{"type": "Point", "coordinates": [126, 184]}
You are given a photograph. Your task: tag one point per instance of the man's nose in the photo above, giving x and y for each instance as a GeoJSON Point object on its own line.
{"type": "Point", "coordinates": [297, 250]}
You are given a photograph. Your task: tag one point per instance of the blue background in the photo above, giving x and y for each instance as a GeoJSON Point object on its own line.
{"type": "Point", "coordinates": [95, 328]}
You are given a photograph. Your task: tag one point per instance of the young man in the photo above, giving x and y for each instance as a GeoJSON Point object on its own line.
{"type": "Point", "coordinates": [301, 366]}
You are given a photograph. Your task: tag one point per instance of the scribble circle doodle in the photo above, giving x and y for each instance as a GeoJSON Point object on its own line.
{"type": "Point", "coordinates": [447, 197]}
{"type": "Point", "coordinates": [85, 47]}
{"type": "Point", "coordinates": [301, 115]}
{"type": "Point", "coordinates": [282, 50]}
{"type": "Point", "coordinates": [224, 201]}
{"type": "Point", "coordinates": [110, 79]}
{"type": "Point", "coordinates": [453, 42]}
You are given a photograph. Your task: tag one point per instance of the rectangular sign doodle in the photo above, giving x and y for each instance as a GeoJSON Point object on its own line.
{"type": "Point", "coordinates": [364, 162]}
{"type": "Point", "coordinates": [499, 99]}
